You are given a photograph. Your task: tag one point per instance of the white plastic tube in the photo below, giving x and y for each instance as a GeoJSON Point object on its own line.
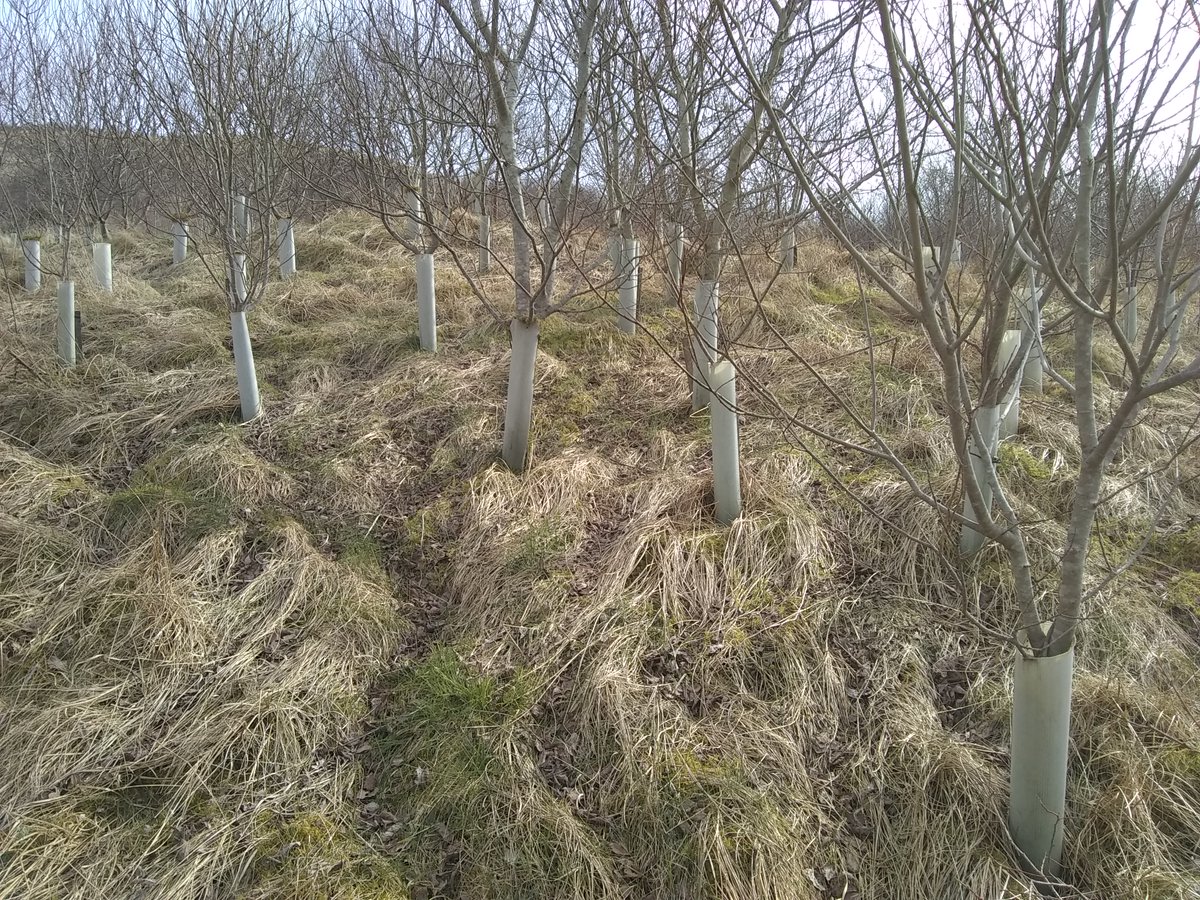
{"type": "Point", "coordinates": [674, 291]}
{"type": "Point", "coordinates": [179, 249]}
{"type": "Point", "coordinates": [1010, 406]}
{"type": "Point", "coordinates": [1030, 315]}
{"type": "Point", "coordinates": [65, 327]}
{"type": "Point", "coordinates": [704, 341]}
{"type": "Point", "coordinates": [727, 480]}
{"type": "Point", "coordinates": [628, 292]}
{"type": "Point", "coordinates": [485, 243]}
{"type": "Point", "coordinates": [787, 259]}
{"type": "Point", "coordinates": [971, 541]}
{"type": "Point", "coordinates": [243, 361]}
{"type": "Point", "coordinates": [518, 412]}
{"type": "Point", "coordinates": [32, 250]}
{"type": "Point", "coordinates": [426, 303]}
{"type": "Point", "coordinates": [1129, 315]}
{"type": "Point", "coordinates": [1041, 731]}
{"type": "Point", "coordinates": [287, 248]}
{"type": "Point", "coordinates": [102, 265]}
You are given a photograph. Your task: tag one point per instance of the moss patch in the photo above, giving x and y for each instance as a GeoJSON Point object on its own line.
{"type": "Point", "coordinates": [1013, 459]}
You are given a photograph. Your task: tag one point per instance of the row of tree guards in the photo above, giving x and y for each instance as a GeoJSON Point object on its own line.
{"type": "Point", "coordinates": [1041, 685]}
{"type": "Point", "coordinates": [68, 336]}
{"type": "Point", "coordinates": [713, 378]}
{"type": "Point", "coordinates": [1020, 347]}
{"type": "Point", "coordinates": [31, 250]}
{"type": "Point", "coordinates": [68, 318]}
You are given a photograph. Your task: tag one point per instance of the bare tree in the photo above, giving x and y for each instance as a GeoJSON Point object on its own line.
{"type": "Point", "coordinates": [227, 83]}
{"type": "Point", "coordinates": [716, 123]}
{"type": "Point", "coordinates": [500, 38]}
{"type": "Point", "coordinates": [624, 146]}
{"type": "Point", "coordinates": [77, 145]}
{"type": "Point", "coordinates": [390, 99]}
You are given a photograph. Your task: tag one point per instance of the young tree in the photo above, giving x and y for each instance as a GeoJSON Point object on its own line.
{"type": "Point", "coordinates": [392, 87]}
{"type": "Point", "coordinates": [623, 143]}
{"type": "Point", "coordinates": [500, 40]}
{"type": "Point", "coordinates": [717, 136]}
{"type": "Point", "coordinates": [228, 85]}
{"type": "Point", "coordinates": [75, 152]}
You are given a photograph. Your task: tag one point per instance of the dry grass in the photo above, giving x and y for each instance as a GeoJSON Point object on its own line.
{"type": "Point", "coordinates": [342, 653]}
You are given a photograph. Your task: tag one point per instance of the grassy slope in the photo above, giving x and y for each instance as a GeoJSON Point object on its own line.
{"type": "Point", "coordinates": [341, 652]}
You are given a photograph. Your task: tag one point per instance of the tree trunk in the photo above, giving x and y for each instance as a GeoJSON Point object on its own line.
{"type": "Point", "coordinates": [485, 243]}
{"type": "Point", "coordinates": [511, 174]}
{"type": "Point", "coordinates": [238, 279]}
{"type": "Point", "coordinates": [412, 207]}
{"type": "Point", "coordinates": [179, 246]}
{"type": "Point", "coordinates": [970, 540]}
{"type": "Point", "coordinates": [241, 217]}
{"type": "Point", "coordinates": [547, 259]}
{"type": "Point", "coordinates": [32, 250]}
{"type": "Point", "coordinates": [1010, 405]}
{"type": "Point", "coordinates": [616, 246]}
{"type": "Point", "coordinates": [1129, 315]}
{"type": "Point", "coordinates": [674, 287]}
{"type": "Point", "coordinates": [1031, 333]}
{"type": "Point", "coordinates": [787, 261]}
{"type": "Point", "coordinates": [704, 340]}
{"type": "Point", "coordinates": [929, 258]}
{"type": "Point", "coordinates": [1176, 310]}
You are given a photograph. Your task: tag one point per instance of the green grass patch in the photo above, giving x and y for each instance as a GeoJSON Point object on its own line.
{"type": "Point", "coordinates": [171, 506]}
{"type": "Point", "coordinates": [1180, 549]}
{"type": "Point", "coordinates": [456, 760]}
{"type": "Point", "coordinates": [362, 553]}
{"type": "Point", "coordinates": [1183, 592]}
{"type": "Point", "coordinates": [540, 549]}
{"type": "Point", "coordinates": [834, 294]}
{"type": "Point", "coordinates": [311, 857]}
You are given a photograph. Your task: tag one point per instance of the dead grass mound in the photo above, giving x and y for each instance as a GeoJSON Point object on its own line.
{"type": "Point", "coordinates": [187, 670]}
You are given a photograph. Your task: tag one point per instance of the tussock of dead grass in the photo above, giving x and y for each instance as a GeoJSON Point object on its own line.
{"type": "Point", "coordinates": [601, 693]}
{"type": "Point", "coordinates": [175, 697]}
